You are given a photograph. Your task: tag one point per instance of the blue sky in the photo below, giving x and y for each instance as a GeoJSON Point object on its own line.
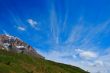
{"type": "Point", "coordinates": [75, 32]}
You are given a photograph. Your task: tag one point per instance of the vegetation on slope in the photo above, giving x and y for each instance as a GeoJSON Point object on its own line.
{"type": "Point", "coordinates": [20, 63]}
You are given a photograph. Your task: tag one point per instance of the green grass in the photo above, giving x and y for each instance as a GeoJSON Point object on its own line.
{"type": "Point", "coordinates": [19, 63]}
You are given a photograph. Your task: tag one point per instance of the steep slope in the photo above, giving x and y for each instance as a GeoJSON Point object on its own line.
{"type": "Point", "coordinates": [11, 62]}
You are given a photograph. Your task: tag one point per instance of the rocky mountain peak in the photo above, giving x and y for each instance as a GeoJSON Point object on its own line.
{"type": "Point", "coordinates": [12, 43]}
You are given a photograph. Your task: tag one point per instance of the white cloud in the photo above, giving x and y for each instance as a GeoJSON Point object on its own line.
{"type": "Point", "coordinates": [32, 23]}
{"type": "Point", "coordinates": [88, 55]}
{"type": "Point", "coordinates": [21, 28]}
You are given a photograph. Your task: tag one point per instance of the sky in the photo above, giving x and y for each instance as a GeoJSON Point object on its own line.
{"type": "Point", "coordinates": [75, 32]}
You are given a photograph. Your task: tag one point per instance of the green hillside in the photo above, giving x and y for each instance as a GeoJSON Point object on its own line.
{"type": "Point", "coordinates": [19, 63]}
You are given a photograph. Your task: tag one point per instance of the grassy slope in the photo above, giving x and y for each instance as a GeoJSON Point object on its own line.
{"type": "Point", "coordinates": [20, 63]}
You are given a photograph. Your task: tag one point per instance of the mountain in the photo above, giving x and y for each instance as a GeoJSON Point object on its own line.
{"type": "Point", "coordinates": [18, 57]}
{"type": "Point", "coordinates": [12, 43]}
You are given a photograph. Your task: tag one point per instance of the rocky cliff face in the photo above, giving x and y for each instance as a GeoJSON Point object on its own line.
{"type": "Point", "coordinates": [11, 43]}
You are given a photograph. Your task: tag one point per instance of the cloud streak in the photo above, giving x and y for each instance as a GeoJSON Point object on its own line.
{"type": "Point", "coordinates": [21, 28]}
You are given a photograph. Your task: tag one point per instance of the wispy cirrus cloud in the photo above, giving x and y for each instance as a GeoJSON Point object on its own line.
{"type": "Point", "coordinates": [85, 37]}
{"type": "Point", "coordinates": [5, 32]}
{"type": "Point", "coordinates": [54, 26]}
